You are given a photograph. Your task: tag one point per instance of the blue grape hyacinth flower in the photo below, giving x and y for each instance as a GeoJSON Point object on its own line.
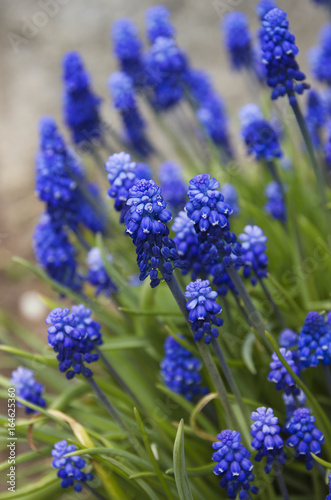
{"type": "Point", "coordinates": [233, 465]}
{"type": "Point", "coordinates": [329, 495]}
{"type": "Point", "coordinates": [261, 140]}
{"type": "Point", "coordinates": [121, 174]}
{"type": "Point", "coordinates": [127, 48]}
{"type": "Point", "coordinates": [55, 253]}
{"type": "Point", "coordinates": [231, 197]}
{"type": "Point", "coordinates": [237, 39]}
{"type": "Point", "coordinates": [210, 214]}
{"type": "Point", "coordinates": [70, 468]}
{"type": "Point", "coordinates": [124, 99]}
{"type": "Point", "coordinates": [263, 7]}
{"type": "Point", "coordinates": [203, 308]}
{"type": "Point", "coordinates": [320, 56]}
{"type": "Point", "coordinates": [180, 370]}
{"type": "Point", "coordinates": [305, 437]}
{"type": "Point", "coordinates": [27, 388]}
{"type": "Point", "coordinates": [187, 243]}
{"type": "Point", "coordinates": [316, 115]}
{"type": "Point", "coordinates": [279, 52]}
{"type": "Point", "coordinates": [80, 104]}
{"type": "Point", "coordinates": [253, 249]}
{"type": "Point", "coordinates": [97, 274]}
{"type": "Point", "coordinates": [265, 432]}
{"type": "Point", "coordinates": [158, 23]}
{"type": "Point", "coordinates": [275, 205]}
{"type": "Point", "coordinates": [314, 344]}
{"type": "Point", "coordinates": [146, 223]}
{"type": "Point", "coordinates": [279, 374]}
{"type": "Point", "coordinates": [172, 184]}
{"type": "Point", "coordinates": [73, 336]}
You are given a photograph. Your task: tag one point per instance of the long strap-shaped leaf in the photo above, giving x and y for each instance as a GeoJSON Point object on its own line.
{"type": "Point", "coordinates": [183, 486]}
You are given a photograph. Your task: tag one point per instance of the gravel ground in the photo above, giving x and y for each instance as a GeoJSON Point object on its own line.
{"type": "Point", "coordinates": [31, 82]}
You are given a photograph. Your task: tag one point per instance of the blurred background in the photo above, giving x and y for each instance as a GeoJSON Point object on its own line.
{"type": "Point", "coordinates": [34, 36]}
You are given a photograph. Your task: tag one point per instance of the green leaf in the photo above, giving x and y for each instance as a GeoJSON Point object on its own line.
{"type": "Point", "coordinates": [247, 352]}
{"type": "Point", "coordinates": [182, 483]}
{"type": "Point", "coordinates": [203, 470]}
{"type": "Point", "coordinates": [325, 464]}
{"type": "Point", "coordinates": [31, 488]}
{"type": "Point", "coordinates": [124, 342]}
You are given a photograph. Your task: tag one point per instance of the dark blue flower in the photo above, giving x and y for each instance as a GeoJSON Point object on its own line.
{"type": "Point", "coordinates": [316, 115]}
{"type": "Point", "coordinates": [127, 49]}
{"type": "Point", "coordinates": [180, 370]}
{"type": "Point", "coordinates": [237, 39]}
{"type": "Point", "coordinates": [199, 84]}
{"type": "Point", "coordinates": [27, 388]}
{"type": "Point", "coordinates": [80, 105]}
{"type": "Point", "coordinates": [97, 274]}
{"type": "Point", "coordinates": [70, 468]}
{"type": "Point", "coordinates": [275, 205]}
{"type": "Point", "coordinates": [279, 374]}
{"type": "Point", "coordinates": [73, 336]}
{"type": "Point", "coordinates": [233, 465]}
{"type": "Point", "coordinates": [121, 176]}
{"type": "Point", "coordinates": [202, 307]}
{"type": "Point", "coordinates": [158, 23]}
{"type": "Point", "coordinates": [288, 338]}
{"type": "Point", "coordinates": [279, 51]}
{"type": "Point", "coordinates": [231, 197]}
{"type": "Point", "coordinates": [320, 56]}
{"type": "Point", "coordinates": [265, 432]}
{"type": "Point", "coordinates": [55, 253]}
{"type": "Point", "coordinates": [212, 115]}
{"type": "Point", "coordinates": [146, 223]}
{"type": "Point", "coordinates": [261, 140]}
{"type": "Point", "coordinates": [263, 7]}
{"type": "Point", "coordinates": [253, 253]}
{"type": "Point", "coordinates": [305, 437]}
{"type": "Point", "coordinates": [124, 99]}
{"type": "Point", "coordinates": [165, 67]}
{"type": "Point", "coordinates": [172, 184]}
{"type": "Point", "coordinates": [187, 243]}
{"type": "Point", "coordinates": [314, 344]}
{"type": "Point", "coordinates": [207, 209]}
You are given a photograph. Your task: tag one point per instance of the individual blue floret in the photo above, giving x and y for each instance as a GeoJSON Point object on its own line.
{"type": "Point", "coordinates": [305, 437]}
{"type": "Point", "coordinates": [234, 466]}
{"type": "Point", "coordinates": [70, 468]}
{"type": "Point", "coordinates": [27, 388]}
{"type": "Point", "coordinates": [203, 308]}
{"type": "Point", "coordinates": [180, 370]}
{"type": "Point", "coordinates": [80, 104]}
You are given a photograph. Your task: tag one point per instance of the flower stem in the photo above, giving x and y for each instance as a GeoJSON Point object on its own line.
{"type": "Point", "coordinates": [282, 485]}
{"type": "Point", "coordinates": [93, 491]}
{"type": "Point", "coordinates": [310, 149]}
{"type": "Point", "coordinates": [254, 316]}
{"type": "Point", "coordinates": [277, 312]}
{"type": "Point", "coordinates": [116, 375]}
{"type": "Point", "coordinates": [205, 354]}
{"type": "Point", "coordinates": [112, 410]}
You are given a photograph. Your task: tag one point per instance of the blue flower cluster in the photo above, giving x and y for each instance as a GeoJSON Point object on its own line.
{"type": "Point", "coordinates": [80, 105]}
{"type": "Point", "coordinates": [180, 370]}
{"type": "Point", "coordinates": [27, 388]}
{"type": "Point", "coordinates": [233, 465]}
{"type": "Point", "coordinates": [320, 56]}
{"type": "Point", "coordinates": [121, 174]}
{"type": "Point", "coordinates": [55, 253]}
{"type": "Point", "coordinates": [158, 23]}
{"type": "Point", "coordinates": [279, 51]}
{"type": "Point", "coordinates": [203, 308]}
{"type": "Point", "coordinates": [146, 223]}
{"type": "Point", "coordinates": [187, 243]}
{"type": "Point", "coordinates": [122, 92]}
{"type": "Point", "coordinates": [127, 49]}
{"type": "Point", "coordinates": [207, 209]}
{"type": "Point", "coordinates": [97, 274]}
{"type": "Point", "coordinates": [73, 336]}
{"type": "Point", "coordinates": [316, 115]}
{"type": "Point", "coordinates": [253, 253]}
{"type": "Point", "coordinates": [265, 432]}
{"type": "Point", "coordinates": [305, 437]}
{"type": "Point", "coordinates": [165, 67]}
{"type": "Point", "coordinates": [237, 39]}
{"type": "Point", "coordinates": [261, 140]}
{"type": "Point", "coordinates": [264, 6]}
{"type": "Point", "coordinates": [70, 468]}
{"type": "Point", "coordinates": [314, 344]}
{"type": "Point", "coordinates": [173, 185]}
{"type": "Point", "coordinates": [279, 374]}
{"type": "Point", "coordinates": [275, 205]}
